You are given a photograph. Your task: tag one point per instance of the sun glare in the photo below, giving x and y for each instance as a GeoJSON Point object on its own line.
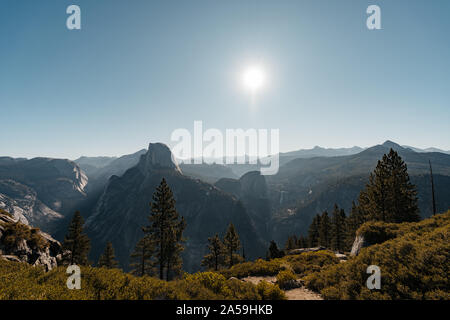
{"type": "Point", "coordinates": [254, 78]}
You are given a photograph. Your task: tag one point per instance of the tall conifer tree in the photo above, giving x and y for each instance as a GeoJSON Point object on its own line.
{"type": "Point", "coordinates": [165, 232]}
{"type": "Point", "coordinates": [313, 232]}
{"type": "Point", "coordinates": [232, 245]}
{"type": "Point", "coordinates": [339, 229]}
{"type": "Point", "coordinates": [76, 243]}
{"type": "Point", "coordinates": [389, 196]}
{"type": "Point", "coordinates": [325, 230]}
{"type": "Point", "coordinates": [108, 258]}
{"type": "Point", "coordinates": [215, 258]}
{"type": "Point", "coordinates": [142, 260]}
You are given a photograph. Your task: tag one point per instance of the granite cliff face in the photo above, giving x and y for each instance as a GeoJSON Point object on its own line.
{"type": "Point", "coordinates": [41, 191]}
{"type": "Point", "coordinates": [58, 183]}
{"type": "Point", "coordinates": [30, 245]}
{"type": "Point", "coordinates": [123, 209]}
{"type": "Point", "coordinates": [22, 202]}
{"type": "Point", "coordinates": [251, 190]}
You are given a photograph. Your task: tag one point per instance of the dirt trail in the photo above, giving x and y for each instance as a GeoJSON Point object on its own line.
{"type": "Point", "coordinates": [302, 294]}
{"type": "Point", "coordinates": [293, 294]}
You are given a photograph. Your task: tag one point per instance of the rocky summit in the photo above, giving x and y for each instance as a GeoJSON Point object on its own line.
{"type": "Point", "coordinates": [123, 209]}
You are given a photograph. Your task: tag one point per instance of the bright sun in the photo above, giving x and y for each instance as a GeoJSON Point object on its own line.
{"type": "Point", "coordinates": [254, 78]}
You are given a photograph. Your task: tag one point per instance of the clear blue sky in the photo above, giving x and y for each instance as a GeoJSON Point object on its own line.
{"type": "Point", "coordinates": [140, 69]}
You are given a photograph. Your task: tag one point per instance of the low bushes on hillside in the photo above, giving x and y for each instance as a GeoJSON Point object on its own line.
{"type": "Point", "coordinates": [268, 291]}
{"type": "Point", "coordinates": [257, 268]}
{"type": "Point", "coordinates": [414, 265]}
{"type": "Point", "coordinates": [301, 264]}
{"type": "Point", "coordinates": [14, 232]}
{"type": "Point", "coordinates": [22, 281]}
{"type": "Point", "coordinates": [309, 262]}
{"type": "Point", "coordinates": [286, 279]}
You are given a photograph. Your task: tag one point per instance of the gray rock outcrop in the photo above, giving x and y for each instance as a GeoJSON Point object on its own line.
{"type": "Point", "coordinates": [23, 250]}
{"type": "Point", "coordinates": [41, 189]}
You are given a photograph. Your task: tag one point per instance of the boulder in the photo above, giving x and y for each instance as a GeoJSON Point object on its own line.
{"type": "Point", "coordinates": [25, 251]}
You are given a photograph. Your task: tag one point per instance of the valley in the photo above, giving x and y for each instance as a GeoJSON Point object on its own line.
{"type": "Point", "coordinates": [113, 194]}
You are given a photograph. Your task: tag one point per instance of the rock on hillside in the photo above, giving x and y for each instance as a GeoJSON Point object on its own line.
{"type": "Point", "coordinates": [22, 243]}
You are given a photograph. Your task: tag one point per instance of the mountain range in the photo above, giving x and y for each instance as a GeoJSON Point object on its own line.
{"type": "Point", "coordinates": [113, 193]}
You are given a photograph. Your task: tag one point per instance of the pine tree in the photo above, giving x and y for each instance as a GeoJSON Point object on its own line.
{"type": "Point", "coordinates": [76, 243]}
{"type": "Point", "coordinates": [142, 262]}
{"type": "Point", "coordinates": [313, 232]}
{"type": "Point", "coordinates": [108, 259]}
{"type": "Point", "coordinates": [403, 194]}
{"type": "Point", "coordinates": [389, 196]}
{"type": "Point", "coordinates": [166, 231]}
{"type": "Point", "coordinates": [291, 243]}
{"type": "Point", "coordinates": [374, 199]}
{"type": "Point", "coordinates": [215, 258]}
{"type": "Point", "coordinates": [325, 230]}
{"type": "Point", "coordinates": [274, 252]}
{"type": "Point", "coordinates": [339, 229]}
{"type": "Point", "coordinates": [174, 248]}
{"type": "Point", "coordinates": [354, 221]}
{"type": "Point", "coordinates": [232, 245]}
{"type": "Point", "coordinates": [433, 199]}
{"type": "Point", "coordinates": [302, 242]}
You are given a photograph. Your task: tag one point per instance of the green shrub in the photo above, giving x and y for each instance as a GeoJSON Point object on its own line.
{"type": "Point", "coordinates": [378, 232]}
{"type": "Point", "coordinates": [414, 265]}
{"type": "Point", "coordinates": [310, 262]}
{"type": "Point", "coordinates": [14, 232]}
{"type": "Point", "coordinates": [286, 279]}
{"type": "Point", "coordinates": [257, 268]}
{"type": "Point", "coordinates": [269, 291]}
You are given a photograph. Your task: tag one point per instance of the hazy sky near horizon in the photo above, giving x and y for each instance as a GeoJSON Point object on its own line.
{"type": "Point", "coordinates": [137, 70]}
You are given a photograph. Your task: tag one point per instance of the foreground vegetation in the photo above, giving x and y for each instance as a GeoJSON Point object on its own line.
{"type": "Point", "coordinates": [414, 259]}
{"type": "Point", "coordinates": [24, 282]}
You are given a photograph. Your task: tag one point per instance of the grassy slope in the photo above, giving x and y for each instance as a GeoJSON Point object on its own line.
{"type": "Point", "coordinates": [24, 282]}
{"type": "Point", "coordinates": [414, 262]}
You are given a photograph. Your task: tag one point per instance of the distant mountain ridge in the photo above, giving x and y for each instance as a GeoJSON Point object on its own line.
{"type": "Point", "coordinates": [427, 149]}
{"type": "Point", "coordinates": [41, 190]}
{"type": "Point", "coordinates": [311, 186]}
{"type": "Point", "coordinates": [100, 169]}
